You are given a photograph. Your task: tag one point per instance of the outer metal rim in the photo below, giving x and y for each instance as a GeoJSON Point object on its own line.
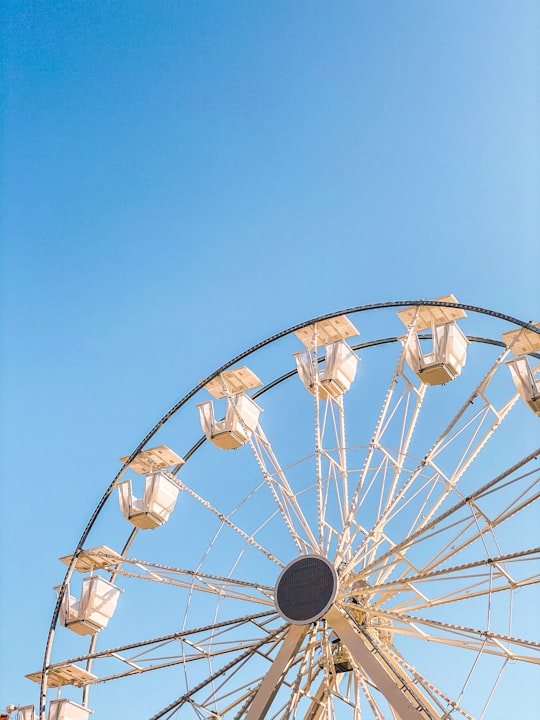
{"type": "Point", "coordinates": [200, 386]}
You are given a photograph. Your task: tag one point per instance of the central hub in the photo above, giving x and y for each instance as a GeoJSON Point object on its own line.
{"type": "Point", "coordinates": [306, 589]}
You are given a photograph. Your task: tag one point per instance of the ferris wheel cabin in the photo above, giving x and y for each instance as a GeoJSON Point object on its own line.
{"type": "Point", "coordinates": [446, 357]}
{"type": "Point", "coordinates": [521, 343]}
{"type": "Point", "coordinates": [59, 709]}
{"type": "Point", "coordinates": [25, 712]}
{"type": "Point", "coordinates": [241, 412]}
{"type": "Point", "coordinates": [63, 709]}
{"type": "Point", "coordinates": [335, 374]}
{"type": "Point", "coordinates": [93, 610]}
{"type": "Point", "coordinates": [160, 489]}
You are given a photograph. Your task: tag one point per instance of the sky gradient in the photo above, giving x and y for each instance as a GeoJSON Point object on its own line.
{"type": "Point", "coordinates": [183, 179]}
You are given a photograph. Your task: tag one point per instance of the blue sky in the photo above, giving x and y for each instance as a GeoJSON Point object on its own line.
{"type": "Point", "coordinates": [183, 179]}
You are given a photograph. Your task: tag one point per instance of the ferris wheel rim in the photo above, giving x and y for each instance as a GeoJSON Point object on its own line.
{"type": "Point", "coordinates": [230, 363]}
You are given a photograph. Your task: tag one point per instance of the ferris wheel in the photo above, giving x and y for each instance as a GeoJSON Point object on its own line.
{"type": "Point", "coordinates": [352, 536]}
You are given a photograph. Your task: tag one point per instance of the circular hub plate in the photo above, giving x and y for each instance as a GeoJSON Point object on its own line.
{"type": "Point", "coordinates": [306, 589]}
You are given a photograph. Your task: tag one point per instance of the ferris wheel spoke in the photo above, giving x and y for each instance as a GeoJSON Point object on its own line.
{"type": "Point", "coordinates": [402, 565]}
{"type": "Point", "coordinates": [328, 691]}
{"type": "Point", "coordinates": [463, 637]}
{"type": "Point", "coordinates": [162, 663]}
{"type": "Point", "coordinates": [155, 654]}
{"type": "Point", "coordinates": [366, 690]}
{"type": "Point", "coordinates": [483, 525]}
{"type": "Point", "coordinates": [476, 646]}
{"type": "Point", "coordinates": [285, 499]}
{"type": "Point", "coordinates": [355, 691]}
{"type": "Point", "coordinates": [435, 690]}
{"type": "Point", "coordinates": [308, 669]}
{"type": "Point", "coordinates": [400, 692]}
{"type": "Point", "coordinates": [271, 683]}
{"type": "Point", "coordinates": [317, 708]}
{"type": "Point", "coordinates": [483, 587]}
{"type": "Point", "coordinates": [225, 520]}
{"type": "Point", "coordinates": [466, 435]}
{"type": "Point", "coordinates": [453, 520]}
{"type": "Point", "coordinates": [302, 672]}
{"type": "Point", "coordinates": [496, 578]}
{"type": "Point", "coordinates": [331, 464]}
{"type": "Point", "coordinates": [197, 580]}
{"type": "Point", "coordinates": [395, 552]}
{"type": "Point", "coordinates": [240, 660]}
{"type": "Point", "coordinates": [374, 484]}
{"type": "Point", "coordinates": [394, 429]}
{"type": "Point", "coordinates": [470, 531]}
{"type": "Point", "coordinates": [230, 694]}
{"type": "Point", "coordinates": [332, 473]}
{"type": "Point", "coordinates": [327, 696]}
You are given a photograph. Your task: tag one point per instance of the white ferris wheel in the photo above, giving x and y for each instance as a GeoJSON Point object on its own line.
{"type": "Point", "coordinates": [364, 549]}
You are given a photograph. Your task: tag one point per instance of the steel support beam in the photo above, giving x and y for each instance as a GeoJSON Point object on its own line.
{"type": "Point", "coordinates": [274, 677]}
{"type": "Point", "coordinates": [400, 692]}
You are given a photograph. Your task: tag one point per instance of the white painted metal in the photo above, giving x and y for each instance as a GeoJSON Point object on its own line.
{"type": "Point", "coordinates": [95, 559]}
{"type": "Point", "coordinates": [282, 493]}
{"type": "Point", "coordinates": [326, 332]}
{"type": "Point", "coordinates": [419, 543]}
{"type": "Point", "coordinates": [404, 696]}
{"type": "Point", "coordinates": [232, 382]}
{"type": "Point", "coordinates": [527, 384]}
{"type": "Point", "coordinates": [156, 458]}
{"type": "Point", "coordinates": [235, 429]}
{"type": "Point", "coordinates": [478, 425]}
{"type": "Point", "coordinates": [69, 674]}
{"type": "Point", "coordinates": [154, 508]}
{"type": "Point", "coordinates": [93, 610]}
{"type": "Point", "coordinates": [335, 375]}
{"type": "Point", "coordinates": [522, 341]}
{"type": "Point", "coordinates": [422, 317]}
{"type": "Point", "coordinates": [27, 712]}
{"type": "Point", "coordinates": [383, 464]}
{"type": "Point", "coordinates": [274, 677]}
{"type": "Point", "coordinates": [63, 709]}
{"type": "Point", "coordinates": [445, 359]}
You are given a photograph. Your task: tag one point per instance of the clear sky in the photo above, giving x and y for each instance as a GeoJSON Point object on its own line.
{"type": "Point", "coordinates": [183, 179]}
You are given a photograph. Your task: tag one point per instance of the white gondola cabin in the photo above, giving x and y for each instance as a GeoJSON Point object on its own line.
{"type": "Point", "coordinates": [93, 610]}
{"type": "Point", "coordinates": [335, 375]}
{"type": "Point", "coordinates": [25, 712]}
{"type": "Point", "coordinates": [241, 412]}
{"type": "Point", "coordinates": [521, 342]}
{"type": "Point", "coordinates": [446, 357]}
{"type": "Point", "coordinates": [160, 488]}
{"type": "Point", "coordinates": [64, 709]}
{"type": "Point", "coordinates": [156, 504]}
{"type": "Point", "coordinates": [337, 371]}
